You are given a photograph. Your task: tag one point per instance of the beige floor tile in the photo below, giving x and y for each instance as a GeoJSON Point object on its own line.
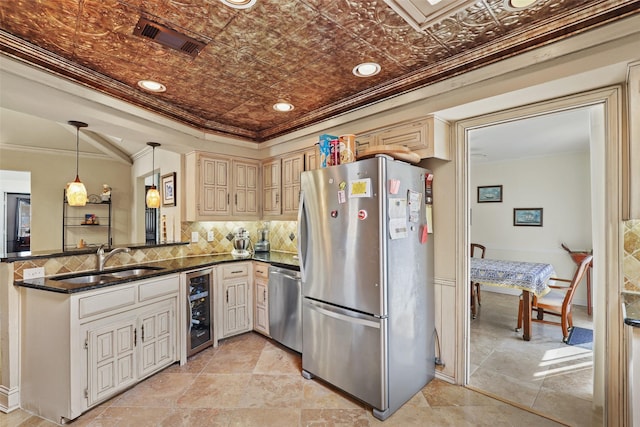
{"type": "Point", "coordinates": [215, 391]}
{"type": "Point", "coordinates": [232, 360]}
{"type": "Point", "coordinates": [161, 390]}
{"type": "Point", "coordinates": [439, 393]}
{"type": "Point", "coordinates": [567, 408]}
{"type": "Point", "coordinates": [275, 360]}
{"type": "Point", "coordinates": [264, 417]}
{"type": "Point", "coordinates": [522, 392]}
{"type": "Point", "coordinates": [317, 394]}
{"type": "Point", "coordinates": [195, 364]}
{"type": "Point", "coordinates": [334, 417]}
{"type": "Point", "coordinates": [532, 373]}
{"type": "Point", "coordinates": [273, 391]}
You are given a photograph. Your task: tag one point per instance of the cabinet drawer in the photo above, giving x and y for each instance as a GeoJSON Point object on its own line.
{"type": "Point", "coordinates": [261, 270]}
{"type": "Point", "coordinates": [235, 270]}
{"type": "Point", "coordinates": [159, 287]}
{"type": "Point", "coordinates": [107, 301]}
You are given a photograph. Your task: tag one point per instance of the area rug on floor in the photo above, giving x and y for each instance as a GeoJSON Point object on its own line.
{"type": "Point", "coordinates": [581, 337]}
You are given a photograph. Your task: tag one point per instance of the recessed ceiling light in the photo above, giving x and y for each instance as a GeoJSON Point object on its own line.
{"type": "Point", "coordinates": [239, 4]}
{"type": "Point", "coordinates": [366, 69]}
{"type": "Point", "coordinates": [519, 4]}
{"type": "Point", "coordinates": [152, 86]}
{"type": "Point", "coordinates": [283, 106]}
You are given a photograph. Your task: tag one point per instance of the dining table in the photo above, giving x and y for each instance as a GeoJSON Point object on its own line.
{"type": "Point", "coordinates": [530, 277]}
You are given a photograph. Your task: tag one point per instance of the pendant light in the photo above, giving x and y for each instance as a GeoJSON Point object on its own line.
{"type": "Point", "coordinates": [153, 195]}
{"type": "Point", "coordinates": [76, 191]}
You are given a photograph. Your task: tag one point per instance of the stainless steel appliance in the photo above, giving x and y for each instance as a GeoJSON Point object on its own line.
{"type": "Point", "coordinates": [285, 307]}
{"type": "Point", "coordinates": [263, 245]}
{"type": "Point", "coordinates": [366, 259]}
{"type": "Point", "coordinates": [241, 244]}
{"type": "Point", "coordinates": [199, 303]}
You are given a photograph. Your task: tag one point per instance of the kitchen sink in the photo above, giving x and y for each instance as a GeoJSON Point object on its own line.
{"type": "Point", "coordinates": [95, 277]}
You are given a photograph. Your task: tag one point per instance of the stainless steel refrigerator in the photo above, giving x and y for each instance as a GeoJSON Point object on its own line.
{"type": "Point", "coordinates": [366, 260]}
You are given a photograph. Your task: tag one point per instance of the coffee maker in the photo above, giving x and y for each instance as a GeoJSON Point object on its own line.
{"type": "Point", "coordinates": [263, 245]}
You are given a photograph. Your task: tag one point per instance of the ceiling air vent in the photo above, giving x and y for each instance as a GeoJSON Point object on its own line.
{"type": "Point", "coordinates": [168, 37]}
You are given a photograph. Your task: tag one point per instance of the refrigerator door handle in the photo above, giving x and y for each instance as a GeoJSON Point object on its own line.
{"type": "Point", "coordinates": [302, 235]}
{"type": "Point", "coordinates": [337, 313]}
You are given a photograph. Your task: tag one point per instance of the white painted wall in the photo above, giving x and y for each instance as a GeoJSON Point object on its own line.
{"type": "Point", "coordinates": [560, 185]}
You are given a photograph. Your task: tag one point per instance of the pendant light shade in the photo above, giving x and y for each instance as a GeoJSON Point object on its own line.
{"type": "Point", "coordinates": [76, 191]}
{"type": "Point", "coordinates": [153, 195]}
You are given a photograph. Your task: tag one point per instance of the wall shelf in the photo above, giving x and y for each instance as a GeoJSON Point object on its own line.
{"type": "Point", "coordinates": [75, 228]}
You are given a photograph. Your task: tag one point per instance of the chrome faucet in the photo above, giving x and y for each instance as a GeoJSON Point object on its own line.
{"type": "Point", "coordinates": [102, 257]}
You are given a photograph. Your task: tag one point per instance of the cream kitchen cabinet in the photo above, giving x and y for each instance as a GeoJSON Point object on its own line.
{"type": "Point", "coordinates": [234, 299]}
{"type": "Point", "coordinates": [292, 167]}
{"type": "Point", "coordinates": [211, 182]}
{"type": "Point", "coordinates": [428, 137]}
{"type": "Point", "coordinates": [271, 187]}
{"type": "Point", "coordinates": [312, 158]}
{"type": "Point", "coordinates": [82, 348]}
{"type": "Point", "coordinates": [245, 188]}
{"type": "Point", "coordinates": [261, 298]}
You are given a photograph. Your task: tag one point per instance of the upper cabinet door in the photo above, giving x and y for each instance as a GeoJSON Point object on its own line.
{"type": "Point", "coordinates": [271, 178]}
{"type": "Point", "coordinates": [245, 188]}
{"type": "Point", "coordinates": [292, 167]}
{"type": "Point", "coordinates": [214, 187]}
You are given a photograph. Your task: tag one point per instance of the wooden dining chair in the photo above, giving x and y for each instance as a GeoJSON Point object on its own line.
{"type": "Point", "coordinates": [475, 286]}
{"type": "Point", "coordinates": [558, 301]}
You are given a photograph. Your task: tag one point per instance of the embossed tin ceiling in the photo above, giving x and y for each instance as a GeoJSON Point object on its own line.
{"type": "Point", "coordinates": [300, 50]}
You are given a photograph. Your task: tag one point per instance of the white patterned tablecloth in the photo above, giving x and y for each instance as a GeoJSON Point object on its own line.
{"type": "Point", "coordinates": [527, 276]}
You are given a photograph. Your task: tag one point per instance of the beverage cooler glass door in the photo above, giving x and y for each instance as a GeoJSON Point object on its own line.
{"type": "Point", "coordinates": [200, 328]}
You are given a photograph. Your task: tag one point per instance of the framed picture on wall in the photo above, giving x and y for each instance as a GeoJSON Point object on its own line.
{"type": "Point", "coordinates": [527, 217]}
{"type": "Point", "coordinates": [168, 185]}
{"type": "Point", "coordinates": [490, 194]}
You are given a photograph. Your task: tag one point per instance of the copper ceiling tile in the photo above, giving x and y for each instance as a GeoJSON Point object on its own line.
{"type": "Point", "coordinates": [302, 50]}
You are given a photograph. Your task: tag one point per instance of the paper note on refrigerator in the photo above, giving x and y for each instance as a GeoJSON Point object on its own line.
{"type": "Point", "coordinates": [397, 228]}
{"type": "Point", "coordinates": [397, 218]}
{"type": "Point", "coordinates": [397, 208]}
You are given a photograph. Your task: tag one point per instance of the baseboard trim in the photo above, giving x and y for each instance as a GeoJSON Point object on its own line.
{"type": "Point", "coordinates": [9, 399]}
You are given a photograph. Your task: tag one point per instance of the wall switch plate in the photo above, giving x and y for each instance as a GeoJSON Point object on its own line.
{"type": "Point", "coordinates": [33, 273]}
{"type": "Point", "coordinates": [210, 236]}
{"type": "Point", "coordinates": [194, 237]}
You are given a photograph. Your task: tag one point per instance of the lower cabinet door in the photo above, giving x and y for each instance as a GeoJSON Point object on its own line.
{"type": "Point", "coordinates": [111, 358]}
{"type": "Point", "coordinates": [156, 337]}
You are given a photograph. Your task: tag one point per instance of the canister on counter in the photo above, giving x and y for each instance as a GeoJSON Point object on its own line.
{"type": "Point", "coordinates": [347, 148]}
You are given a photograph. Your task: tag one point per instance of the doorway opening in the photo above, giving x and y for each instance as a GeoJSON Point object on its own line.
{"type": "Point", "coordinates": [600, 165]}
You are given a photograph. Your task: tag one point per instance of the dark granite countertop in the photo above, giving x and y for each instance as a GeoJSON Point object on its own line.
{"type": "Point", "coordinates": [631, 309]}
{"type": "Point", "coordinates": [164, 267]}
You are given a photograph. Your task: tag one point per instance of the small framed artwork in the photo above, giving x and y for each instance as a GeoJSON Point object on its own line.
{"type": "Point", "coordinates": [490, 194]}
{"type": "Point", "coordinates": [168, 183]}
{"type": "Point", "coordinates": [527, 216]}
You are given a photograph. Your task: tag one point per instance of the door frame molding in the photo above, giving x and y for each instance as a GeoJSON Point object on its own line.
{"type": "Point", "coordinates": [608, 355]}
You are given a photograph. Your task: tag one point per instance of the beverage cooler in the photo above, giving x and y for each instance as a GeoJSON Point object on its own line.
{"type": "Point", "coordinates": [199, 310]}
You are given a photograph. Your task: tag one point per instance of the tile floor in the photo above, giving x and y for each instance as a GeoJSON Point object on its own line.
{"type": "Point", "coordinates": [251, 381]}
{"type": "Point", "coordinates": [545, 374]}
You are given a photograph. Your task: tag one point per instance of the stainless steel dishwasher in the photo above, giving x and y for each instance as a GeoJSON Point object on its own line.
{"type": "Point", "coordinates": [285, 307]}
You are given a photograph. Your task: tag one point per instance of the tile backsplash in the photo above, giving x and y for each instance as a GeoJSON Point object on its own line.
{"type": "Point", "coordinates": [631, 260]}
{"type": "Point", "coordinates": [282, 236]}
{"type": "Point", "coordinates": [280, 233]}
